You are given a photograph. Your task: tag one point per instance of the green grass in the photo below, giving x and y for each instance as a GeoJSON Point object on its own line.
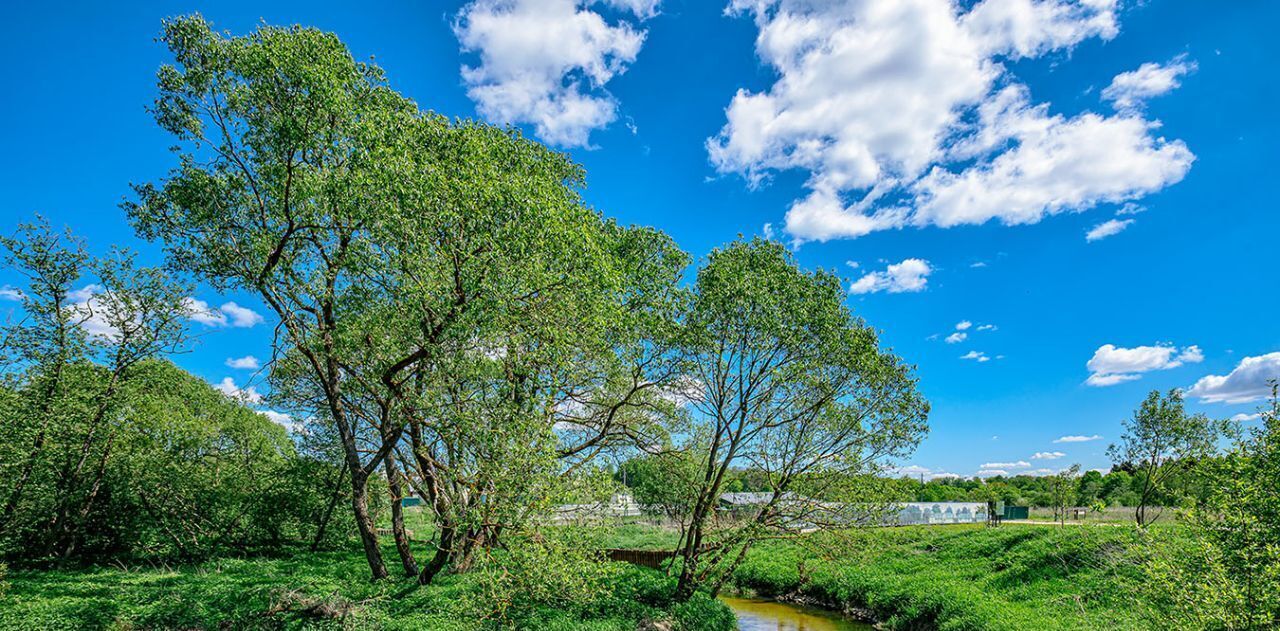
{"type": "Point", "coordinates": [944, 577]}
{"type": "Point", "coordinates": [315, 591]}
{"type": "Point", "coordinates": [965, 577]}
{"type": "Point", "coordinates": [640, 536]}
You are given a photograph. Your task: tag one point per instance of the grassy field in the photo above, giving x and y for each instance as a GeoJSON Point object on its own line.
{"type": "Point", "coordinates": [945, 577]}
{"type": "Point", "coordinates": [1110, 515]}
{"type": "Point", "coordinates": [318, 591]}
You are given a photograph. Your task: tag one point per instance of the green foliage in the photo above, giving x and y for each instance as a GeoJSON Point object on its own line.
{"type": "Point", "coordinates": [1225, 572]}
{"type": "Point", "coordinates": [1063, 487]}
{"type": "Point", "coordinates": [557, 568]}
{"type": "Point", "coordinates": [110, 452]}
{"type": "Point", "coordinates": [442, 289]}
{"type": "Point", "coordinates": [1160, 440]}
{"type": "Point", "coordinates": [702, 613]}
{"type": "Point", "coordinates": [788, 379]}
{"type": "Point", "coordinates": [1117, 487]}
{"type": "Point", "coordinates": [190, 473]}
{"type": "Point", "coordinates": [662, 484]}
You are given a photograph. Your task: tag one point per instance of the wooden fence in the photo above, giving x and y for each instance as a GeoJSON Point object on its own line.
{"type": "Point", "coordinates": [644, 558]}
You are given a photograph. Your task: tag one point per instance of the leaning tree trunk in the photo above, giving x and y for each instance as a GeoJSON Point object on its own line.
{"type": "Point", "coordinates": [464, 557]}
{"type": "Point", "coordinates": [359, 474]}
{"type": "Point", "coordinates": [45, 414]}
{"type": "Point", "coordinates": [397, 518]}
{"type": "Point", "coordinates": [444, 548]}
{"type": "Point", "coordinates": [364, 523]}
{"type": "Point", "coordinates": [687, 582]}
{"type": "Point", "coordinates": [328, 511]}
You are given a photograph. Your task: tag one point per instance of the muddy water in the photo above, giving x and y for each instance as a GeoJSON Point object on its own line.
{"type": "Point", "coordinates": [768, 615]}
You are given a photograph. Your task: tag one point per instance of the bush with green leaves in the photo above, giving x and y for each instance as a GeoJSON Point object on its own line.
{"type": "Point", "coordinates": [1223, 570]}
{"type": "Point", "coordinates": [186, 472]}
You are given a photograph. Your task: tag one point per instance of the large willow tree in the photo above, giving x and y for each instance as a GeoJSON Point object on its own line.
{"type": "Point", "coordinates": [437, 285]}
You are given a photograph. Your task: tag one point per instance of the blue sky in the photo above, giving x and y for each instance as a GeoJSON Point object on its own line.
{"type": "Point", "coordinates": [958, 154]}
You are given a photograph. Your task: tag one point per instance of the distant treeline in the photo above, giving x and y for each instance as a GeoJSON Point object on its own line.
{"type": "Point", "coordinates": [1121, 486]}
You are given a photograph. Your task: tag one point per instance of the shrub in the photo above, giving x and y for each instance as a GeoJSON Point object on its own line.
{"type": "Point", "coordinates": [703, 613]}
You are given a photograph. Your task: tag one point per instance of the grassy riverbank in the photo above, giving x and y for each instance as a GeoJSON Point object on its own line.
{"type": "Point", "coordinates": [965, 577]}
{"type": "Point", "coordinates": [322, 591]}
{"type": "Point", "coordinates": [948, 577]}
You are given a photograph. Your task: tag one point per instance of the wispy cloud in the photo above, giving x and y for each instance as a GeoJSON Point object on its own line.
{"type": "Point", "coordinates": [1077, 439]}
{"type": "Point", "coordinates": [1106, 229]}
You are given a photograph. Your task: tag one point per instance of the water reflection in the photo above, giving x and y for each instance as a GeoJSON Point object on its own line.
{"type": "Point", "coordinates": [767, 615]}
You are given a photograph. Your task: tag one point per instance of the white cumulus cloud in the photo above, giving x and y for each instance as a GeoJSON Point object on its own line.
{"type": "Point", "coordinates": [229, 314]}
{"type": "Point", "coordinates": [200, 311]}
{"type": "Point", "coordinates": [908, 276]}
{"type": "Point", "coordinates": [957, 337]}
{"type": "Point", "coordinates": [248, 362]}
{"type": "Point", "coordinates": [280, 418]}
{"type": "Point", "coordinates": [241, 316]}
{"type": "Point", "coordinates": [977, 356]}
{"type": "Point", "coordinates": [1111, 364]}
{"type": "Point", "coordinates": [244, 395]}
{"type": "Point", "coordinates": [546, 62]}
{"type": "Point", "coordinates": [902, 113]}
{"type": "Point", "coordinates": [917, 471]}
{"type": "Point", "coordinates": [1250, 380]}
{"type": "Point", "coordinates": [1058, 165]}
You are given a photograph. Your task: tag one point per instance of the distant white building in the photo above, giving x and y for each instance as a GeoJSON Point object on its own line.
{"type": "Point", "coordinates": [920, 513]}
{"type": "Point", "coordinates": [745, 500]}
{"type": "Point", "coordinates": [618, 505]}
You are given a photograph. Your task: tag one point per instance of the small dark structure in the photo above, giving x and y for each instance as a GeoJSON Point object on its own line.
{"type": "Point", "coordinates": [1017, 512]}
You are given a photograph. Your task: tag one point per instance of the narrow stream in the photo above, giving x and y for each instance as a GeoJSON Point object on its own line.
{"type": "Point", "coordinates": [768, 615]}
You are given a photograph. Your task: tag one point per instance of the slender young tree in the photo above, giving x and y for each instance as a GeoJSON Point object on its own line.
{"type": "Point", "coordinates": [1159, 441]}
{"type": "Point", "coordinates": [136, 314]}
{"type": "Point", "coordinates": [790, 383]}
{"type": "Point", "coordinates": [1223, 570]}
{"type": "Point", "coordinates": [1062, 491]}
{"type": "Point", "coordinates": [77, 350]}
{"type": "Point", "coordinates": [42, 344]}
